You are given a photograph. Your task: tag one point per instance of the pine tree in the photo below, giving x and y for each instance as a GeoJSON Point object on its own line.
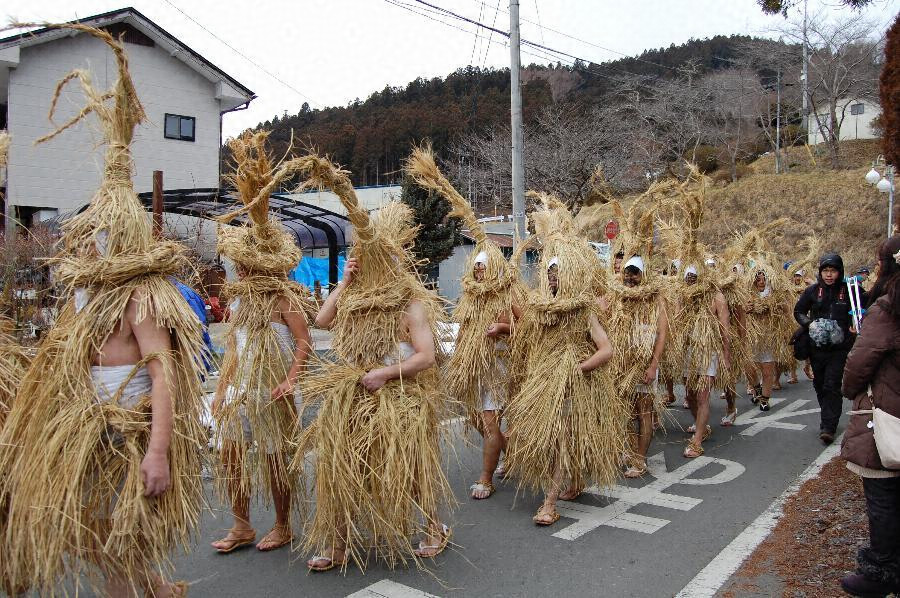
{"type": "Point", "coordinates": [438, 234]}
{"type": "Point", "coordinates": [890, 95]}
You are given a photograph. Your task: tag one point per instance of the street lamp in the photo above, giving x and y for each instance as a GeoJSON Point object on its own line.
{"type": "Point", "coordinates": [884, 184]}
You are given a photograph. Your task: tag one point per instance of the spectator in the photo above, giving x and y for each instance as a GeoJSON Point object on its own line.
{"type": "Point", "coordinates": [872, 377]}
{"type": "Point", "coordinates": [199, 308]}
{"type": "Point", "coordinates": [824, 310]}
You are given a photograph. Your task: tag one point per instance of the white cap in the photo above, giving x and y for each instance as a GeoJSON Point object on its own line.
{"type": "Point", "coordinates": [635, 261]}
{"type": "Point", "coordinates": [676, 263]}
{"type": "Point", "coordinates": [692, 269]}
{"type": "Point", "coordinates": [800, 272]}
{"type": "Point", "coordinates": [481, 258]}
{"type": "Point", "coordinates": [739, 268]}
{"type": "Point", "coordinates": [710, 262]}
{"type": "Point", "coordinates": [554, 261]}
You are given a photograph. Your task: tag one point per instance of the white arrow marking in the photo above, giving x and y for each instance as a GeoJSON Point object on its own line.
{"type": "Point", "coordinates": [759, 420]}
{"type": "Point", "coordinates": [616, 514]}
{"type": "Point", "coordinates": [389, 589]}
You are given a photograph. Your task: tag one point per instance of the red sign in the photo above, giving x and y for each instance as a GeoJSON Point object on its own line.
{"type": "Point", "coordinates": [611, 229]}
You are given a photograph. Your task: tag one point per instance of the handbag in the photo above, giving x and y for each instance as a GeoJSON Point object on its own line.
{"type": "Point", "coordinates": [886, 429]}
{"type": "Point", "coordinates": [802, 344]}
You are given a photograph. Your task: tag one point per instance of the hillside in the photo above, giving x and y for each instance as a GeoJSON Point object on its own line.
{"type": "Point", "coordinates": [372, 137]}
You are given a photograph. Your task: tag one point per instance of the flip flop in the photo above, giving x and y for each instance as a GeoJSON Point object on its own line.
{"type": "Point", "coordinates": [236, 543]}
{"type": "Point", "coordinates": [276, 545]}
{"type": "Point", "coordinates": [446, 532]}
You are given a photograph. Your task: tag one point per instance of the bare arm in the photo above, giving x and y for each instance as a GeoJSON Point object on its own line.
{"type": "Point", "coordinates": [604, 347]}
{"type": "Point", "coordinates": [504, 322]}
{"type": "Point", "coordinates": [152, 338]}
{"type": "Point", "coordinates": [422, 340]}
{"type": "Point", "coordinates": [296, 323]}
{"type": "Point", "coordinates": [720, 308]}
{"type": "Point", "coordinates": [328, 311]}
{"type": "Point", "coordinates": [662, 328]}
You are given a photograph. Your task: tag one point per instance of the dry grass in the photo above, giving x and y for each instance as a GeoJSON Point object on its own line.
{"type": "Point", "coordinates": [855, 153]}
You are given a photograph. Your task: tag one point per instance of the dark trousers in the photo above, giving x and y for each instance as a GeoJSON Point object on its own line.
{"type": "Point", "coordinates": [828, 372]}
{"type": "Point", "coordinates": [881, 560]}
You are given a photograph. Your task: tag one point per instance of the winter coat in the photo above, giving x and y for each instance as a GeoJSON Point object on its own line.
{"type": "Point", "coordinates": [831, 302]}
{"type": "Point", "coordinates": [874, 362]}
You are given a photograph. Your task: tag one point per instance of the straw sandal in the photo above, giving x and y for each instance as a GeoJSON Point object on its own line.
{"type": "Point", "coordinates": [756, 394]}
{"type": "Point", "coordinates": [330, 562]}
{"type": "Point", "coordinates": [636, 471]}
{"type": "Point", "coordinates": [541, 515]}
{"type": "Point", "coordinates": [480, 487]}
{"type": "Point", "coordinates": [236, 541]}
{"type": "Point", "coordinates": [686, 405]}
{"type": "Point", "coordinates": [692, 450]}
{"type": "Point", "coordinates": [284, 531]}
{"type": "Point", "coordinates": [179, 589]}
{"type": "Point", "coordinates": [571, 494]}
{"type": "Point", "coordinates": [764, 404]}
{"type": "Point", "coordinates": [729, 419]}
{"type": "Point", "coordinates": [692, 429]}
{"type": "Point", "coordinates": [446, 532]}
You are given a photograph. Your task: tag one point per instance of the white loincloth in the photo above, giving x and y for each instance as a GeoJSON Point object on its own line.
{"type": "Point", "coordinates": [108, 379]}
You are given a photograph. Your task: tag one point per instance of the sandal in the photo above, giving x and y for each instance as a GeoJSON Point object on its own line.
{"type": "Point", "coordinates": [764, 404]}
{"type": "Point", "coordinates": [286, 538]}
{"type": "Point", "coordinates": [574, 494]}
{"type": "Point", "coordinates": [330, 562]}
{"type": "Point", "coordinates": [757, 392]}
{"type": "Point", "coordinates": [729, 419]}
{"type": "Point", "coordinates": [635, 471]}
{"type": "Point", "coordinates": [501, 468]}
{"type": "Point", "coordinates": [692, 429]}
{"type": "Point", "coordinates": [439, 548]}
{"type": "Point", "coordinates": [692, 450]}
{"type": "Point", "coordinates": [686, 405]}
{"type": "Point", "coordinates": [540, 518]}
{"type": "Point", "coordinates": [235, 541]}
{"type": "Point", "coordinates": [481, 487]}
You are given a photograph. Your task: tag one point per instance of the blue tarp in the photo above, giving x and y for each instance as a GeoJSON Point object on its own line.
{"type": "Point", "coordinates": [312, 269]}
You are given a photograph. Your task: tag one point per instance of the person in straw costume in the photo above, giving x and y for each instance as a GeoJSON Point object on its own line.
{"type": "Point", "coordinates": [268, 341]}
{"type": "Point", "coordinates": [476, 374]}
{"type": "Point", "coordinates": [701, 320]}
{"type": "Point", "coordinates": [567, 423]}
{"type": "Point", "coordinates": [103, 444]}
{"type": "Point", "coordinates": [376, 438]}
{"type": "Point", "coordinates": [637, 323]}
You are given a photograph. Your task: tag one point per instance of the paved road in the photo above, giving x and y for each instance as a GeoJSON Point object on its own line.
{"type": "Point", "coordinates": [646, 538]}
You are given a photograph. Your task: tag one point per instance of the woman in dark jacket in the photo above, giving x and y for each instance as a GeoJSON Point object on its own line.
{"type": "Point", "coordinates": [872, 378]}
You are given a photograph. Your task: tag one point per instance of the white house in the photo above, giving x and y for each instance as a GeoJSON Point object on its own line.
{"type": "Point", "coordinates": [858, 115]}
{"type": "Point", "coordinates": [183, 94]}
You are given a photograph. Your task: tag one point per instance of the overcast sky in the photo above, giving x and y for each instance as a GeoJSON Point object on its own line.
{"type": "Point", "coordinates": [329, 52]}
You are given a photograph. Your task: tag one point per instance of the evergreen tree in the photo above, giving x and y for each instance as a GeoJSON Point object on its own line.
{"type": "Point", "coordinates": [890, 95]}
{"type": "Point", "coordinates": [437, 234]}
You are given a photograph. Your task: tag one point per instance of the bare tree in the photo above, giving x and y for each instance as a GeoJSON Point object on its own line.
{"type": "Point", "coordinates": [732, 123]}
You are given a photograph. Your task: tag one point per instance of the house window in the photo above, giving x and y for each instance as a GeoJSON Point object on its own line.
{"type": "Point", "coordinates": [179, 127]}
{"type": "Point", "coordinates": [857, 108]}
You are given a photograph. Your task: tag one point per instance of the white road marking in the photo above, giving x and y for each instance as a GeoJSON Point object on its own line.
{"type": "Point", "coordinates": [760, 420]}
{"type": "Point", "coordinates": [708, 581]}
{"type": "Point", "coordinates": [616, 514]}
{"type": "Point", "coordinates": [389, 589]}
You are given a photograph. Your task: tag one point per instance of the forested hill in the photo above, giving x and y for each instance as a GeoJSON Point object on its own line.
{"type": "Point", "coordinates": [372, 137]}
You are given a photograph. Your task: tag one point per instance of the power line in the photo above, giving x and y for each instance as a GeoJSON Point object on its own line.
{"type": "Point", "coordinates": [475, 41]}
{"type": "Point", "coordinates": [245, 57]}
{"type": "Point", "coordinates": [490, 35]}
{"type": "Point", "coordinates": [540, 27]}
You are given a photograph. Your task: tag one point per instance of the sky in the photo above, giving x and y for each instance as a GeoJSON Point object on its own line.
{"type": "Point", "coordinates": [330, 52]}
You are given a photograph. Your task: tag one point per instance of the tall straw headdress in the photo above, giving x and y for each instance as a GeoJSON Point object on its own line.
{"type": "Point", "coordinates": [73, 493]}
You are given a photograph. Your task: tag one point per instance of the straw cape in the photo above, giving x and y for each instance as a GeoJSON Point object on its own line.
{"type": "Point", "coordinates": [478, 364]}
{"type": "Point", "coordinates": [377, 461]}
{"type": "Point", "coordinates": [257, 359]}
{"type": "Point", "coordinates": [695, 328]}
{"type": "Point", "coordinates": [13, 363]}
{"type": "Point", "coordinates": [70, 464]}
{"type": "Point", "coordinates": [558, 415]}
{"type": "Point", "coordinates": [771, 313]}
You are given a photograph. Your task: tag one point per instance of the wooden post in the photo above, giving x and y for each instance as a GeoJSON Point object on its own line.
{"type": "Point", "coordinates": [157, 203]}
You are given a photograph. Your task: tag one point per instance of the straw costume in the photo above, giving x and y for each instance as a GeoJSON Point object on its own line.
{"type": "Point", "coordinates": [769, 339]}
{"type": "Point", "coordinates": [13, 363]}
{"type": "Point", "coordinates": [377, 455]}
{"type": "Point", "coordinates": [560, 417]}
{"type": "Point", "coordinates": [252, 429]}
{"type": "Point", "coordinates": [74, 439]}
{"type": "Point", "coordinates": [476, 374]}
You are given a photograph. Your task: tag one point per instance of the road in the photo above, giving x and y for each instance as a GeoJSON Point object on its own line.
{"type": "Point", "coordinates": [647, 537]}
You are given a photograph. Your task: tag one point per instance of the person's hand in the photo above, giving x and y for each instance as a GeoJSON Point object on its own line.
{"type": "Point", "coordinates": [283, 390]}
{"type": "Point", "coordinates": [217, 405]}
{"type": "Point", "coordinates": [351, 267]}
{"type": "Point", "coordinates": [155, 473]}
{"type": "Point", "coordinates": [650, 374]}
{"type": "Point", "coordinates": [493, 330]}
{"type": "Point", "coordinates": [584, 367]}
{"type": "Point", "coordinates": [374, 380]}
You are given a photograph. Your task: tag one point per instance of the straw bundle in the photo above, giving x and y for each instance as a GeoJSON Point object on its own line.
{"type": "Point", "coordinates": [772, 313]}
{"type": "Point", "coordinates": [478, 363]}
{"type": "Point", "coordinates": [13, 363]}
{"type": "Point", "coordinates": [558, 415]}
{"type": "Point", "coordinates": [256, 359]}
{"type": "Point", "coordinates": [70, 467]}
{"type": "Point", "coordinates": [377, 455]}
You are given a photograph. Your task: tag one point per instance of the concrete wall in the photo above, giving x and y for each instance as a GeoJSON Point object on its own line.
{"type": "Point", "coordinates": [65, 172]}
{"type": "Point", "coordinates": [855, 126]}
{"type": "Point", "coordinates": [370, 198]}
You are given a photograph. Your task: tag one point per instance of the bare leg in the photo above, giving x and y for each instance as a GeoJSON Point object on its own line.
{"type": "Point", "coordinates": [337, 554]}
{"type": "Point", "coordinates": [281, 498]}
{"type": "Point", "coordinates": [670, 391]}
{"type": "Point", "coordinates": [645, 425]}
{"type": "Point", "coordinates": [700, 409]}
{"type": "Point", "coordinates": [494, 442]}
{"type": "Point", "coordinates": [547, 513]}
{"type": "Point", "coordinates": [240, 499]}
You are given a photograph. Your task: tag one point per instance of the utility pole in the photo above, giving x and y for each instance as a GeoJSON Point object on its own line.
{"type": "Point", "coordinates": [518, 135]}
{"type": "Point", "coordinates": [804, 77]}
{"type": "Point", "coordinates": [778, 120]}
